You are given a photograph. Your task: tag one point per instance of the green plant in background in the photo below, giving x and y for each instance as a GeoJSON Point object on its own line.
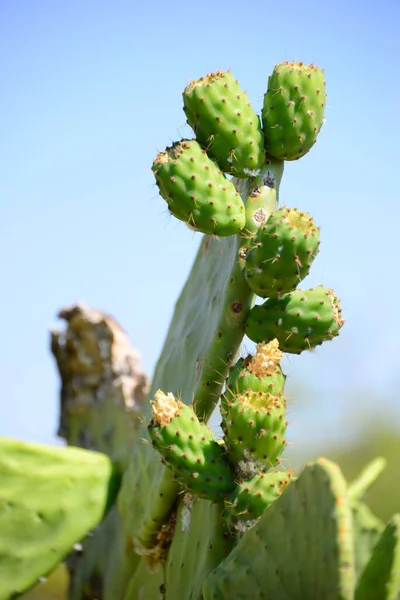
{"type": "Point", "coordinates": [213, 518]}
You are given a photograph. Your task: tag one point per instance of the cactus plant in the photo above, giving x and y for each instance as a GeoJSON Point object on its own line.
{"type": "Point", "coordinates": [281, 253]}
{"type": "Point", "coordinates": [50, 498]}
{"type": "Point", "coordinates": [299, 320]}
{"type": "Point", "coordinates": [293, 111]}
{"type": "Point", "coordinates": [224, 123]}
{"type": "Point", "coordinates": [196, 517]}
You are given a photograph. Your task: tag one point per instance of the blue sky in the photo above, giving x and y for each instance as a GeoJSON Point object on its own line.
{"type": "Point", "coordinates": [91, 91]}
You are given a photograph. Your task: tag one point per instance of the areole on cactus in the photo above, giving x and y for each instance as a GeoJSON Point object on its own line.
{"type": "Point", "coordinates": [192, 516]}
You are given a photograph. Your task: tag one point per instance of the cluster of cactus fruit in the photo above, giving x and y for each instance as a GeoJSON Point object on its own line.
{"type": "Point", "coordinates": [279, 248]}
{"type": "Point", "coordinates": [222, 517]}
{"type": "Point", "coordinates": [241, 472]}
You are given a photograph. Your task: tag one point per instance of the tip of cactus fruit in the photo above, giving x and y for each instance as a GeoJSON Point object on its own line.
{"type": "Point", "coordinates": [171, 153]}
{"type": "Point", "coordinates": [164, 408]}
{"type": "Point", "coordinates": [266, 359]}
{"type": "Point", "coordinates": [299, 66]}
{"type": "Point", "coordinates": [206, 80]}
{"type": "Point", "coordinates": [337, 311]}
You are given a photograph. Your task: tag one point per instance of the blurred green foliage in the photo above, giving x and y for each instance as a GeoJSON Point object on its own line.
{"type": "Point", "coordinates": [374, 435]}
{"type": "Point", "coordinates": [376, 439]}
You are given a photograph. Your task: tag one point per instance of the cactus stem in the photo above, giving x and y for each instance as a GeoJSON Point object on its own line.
{"type": "Point", "coordinates": [238, 296]}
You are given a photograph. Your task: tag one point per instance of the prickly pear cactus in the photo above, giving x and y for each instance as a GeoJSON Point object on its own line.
{"type": "Point", "coordinates": [381, 575]}
{"type": "Point", "coordinates": [50, 498]}
{"type": "Point", "coordinates": [224, 123]}
{"type": "Point", "coordinates": [301, 548]}
{"type": "Point", "coordinates": [198, 517]}
{"type": "Point", "coordinates": [282, 253]}
{"type": "Point", "coordinates": [254, 428]}
{"type": "Point", "coordinates": [293, 111]}
{"type": "Point", "coordinates": [196, 191]}
{"type": "Point", "coordinates": [258, 373]}
{"type": "Point", "coordinates": [189, 448]}
{"type": "Point", "coordinates": [300, 320]}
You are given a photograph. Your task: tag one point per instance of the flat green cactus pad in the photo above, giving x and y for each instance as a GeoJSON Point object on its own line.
{"type": "Point", "coordinates": [381, 577]}
{"type": "Point", "coordinates": [367, 477]}
{"type": "Point", "coordinates": [50, 498]}
{"type": "Point", "coordinates": [367, 529]}
{"type": "Point", "coordinates": [105, 563]}
{"type": "Point", "coordinates": [145, 586]}
{"type": "Point", "coordinates": [302, 547]}
{"type": "Point", "coordinates": [200, 543]}
{"type": "Point", "coordinates": [190, 336]}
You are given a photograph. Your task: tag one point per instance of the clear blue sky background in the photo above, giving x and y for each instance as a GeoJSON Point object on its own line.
{"type": "Point", "coordinates": [90, 91]}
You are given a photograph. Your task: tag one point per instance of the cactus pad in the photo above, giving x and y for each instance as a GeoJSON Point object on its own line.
{"type": "Point", "coordinates": [293, 110]}
{"type": "Point", "coordinates": [50, 499]}
{"type": "Point", "coordinates": [196, 191]}
{"type": "Point", "coordinates": [106, 556]}
{"type": "Point", "coordinates": [189, 448]}
{"type": "Point", "coordinates": [367, 529]}
{"type": "Point", "coordinates": [200, 543]}
{"type": "Point", "coordinates": [281, 253]}
{"type": "Point", "coordinates": [301, 548]}
{"type": "Point", "coordinates": [225, 125]}
{"type": "Point", "coordinates": [299, 321]}
{"type": "Point", "coordinates": [381, 577]}
{"type": "Point", "coordinates": [367, 477]}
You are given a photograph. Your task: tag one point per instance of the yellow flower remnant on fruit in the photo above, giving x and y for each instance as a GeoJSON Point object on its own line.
{"type": "Point", "coordinates": [266, 359]}
{"type": "Point", "coordinates": [164, 408]}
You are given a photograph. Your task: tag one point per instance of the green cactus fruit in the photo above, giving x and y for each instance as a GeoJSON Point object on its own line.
{"type": "Point", "coordinates": [225, 125]}
{"type": "Point", "coordinates": [293, 111]}
{"type": "Point", "coordinates": [258, 372]}
{"type": "Point", "coordinates": [300, 320]}
{"type": "Point", "coordinates": [50, 499]}
{"type": "Point", "coordinates": [189, 448]}
{"type": "Point", "coordinates": [281, 253]}
{"type": "Point", "coordinates": [381, 577]}
{"type": "Point", "coordinates": [196, 191]}
{"type": "Point", "coordinates": [250, 498]}
{"type": "Point", "coordinates": [300, 549]}
{"type": "Point", "coordinates": [254, 429]}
